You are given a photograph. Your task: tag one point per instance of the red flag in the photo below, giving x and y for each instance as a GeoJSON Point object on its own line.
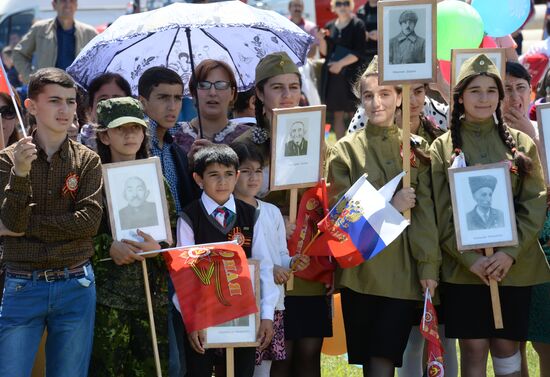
{"type": "Point", "coordinates": [212, 284]}
{"type": "Point", "coordinates": [5, 86]}
{"type": "Point", "coordinates": [428, 329]}
{"type": "Point", "coordinates": [313, 207]}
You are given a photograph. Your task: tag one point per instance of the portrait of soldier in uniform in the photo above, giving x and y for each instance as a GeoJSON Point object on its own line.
{"type": "Point", "coordinates": [297, 144]}
{"type": "Point", "coordinates": [139, 213]}
{"type": "Point", "coordinates": [483, 215]}
{"type": "Point", "coordinates": [407, 47]}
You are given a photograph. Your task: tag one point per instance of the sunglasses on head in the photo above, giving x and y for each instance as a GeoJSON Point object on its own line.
{"type": "Point", "coordinates": [218, 85]}
{"type": "Point", "coordinates": [7, 112]}
{"type": "Point", "coordinates": [342, 4]}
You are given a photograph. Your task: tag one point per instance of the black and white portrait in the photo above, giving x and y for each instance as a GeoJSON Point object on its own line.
{"type": "Point", "coordinates": [297, 142]}
{"type": "Point", "coordinates": [139, 212]}
{"type": "Point", "coordinates": [297, 136]}
{"type": "Point", "coordinates": [408, 47]}
{"type": "Point", "coordinates": [543, 120]}
{"type": "Point", "coordinates": [407, 41]}
{"type": "Point", "coordinates": [483, 215]}
{"type": "Point", "coordinates": [136, 199]}
{"type": "Point", "coordinates": [483, 208]}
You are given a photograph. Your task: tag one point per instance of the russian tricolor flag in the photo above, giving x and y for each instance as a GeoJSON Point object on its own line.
{"type": "Point", "coordinates": [361, 224]}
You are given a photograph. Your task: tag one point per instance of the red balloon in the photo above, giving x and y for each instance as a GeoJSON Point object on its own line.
{"type": "Point", "coordinates": [445, 68]}
{"type": "Point", "coordinates": [488, 42]}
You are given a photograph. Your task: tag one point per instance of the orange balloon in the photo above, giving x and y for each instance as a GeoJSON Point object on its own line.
{"type": "Point", "coordinates": [337, 344]}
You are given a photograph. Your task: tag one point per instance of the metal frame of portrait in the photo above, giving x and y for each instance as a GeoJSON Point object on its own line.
{"type": "Point", "coordinates": [410, 72]}
{"type": "Point", "coordinates": [459, 55]}
{"type": "Point", "coordinates": [232, 336]}
{"type": "Point", "coordinates": [543, 121]}
{"type": "Point", "coordinates": [305, 170]}
{"type": "Point", "coordinates": [462, 200]}
{"type": "Point", "coordinates": [150, 171]}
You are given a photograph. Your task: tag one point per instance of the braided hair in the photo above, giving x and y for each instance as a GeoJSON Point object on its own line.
{"type": "Point", "coordinates": [522, 161]}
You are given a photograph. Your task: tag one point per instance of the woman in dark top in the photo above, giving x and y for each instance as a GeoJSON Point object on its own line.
{"type": "Point", "coordinates": [368, 14]}
{"type": "Point", "coordinates": [342, 42]}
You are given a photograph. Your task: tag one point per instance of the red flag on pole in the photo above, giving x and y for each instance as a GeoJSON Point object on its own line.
{"type": "Point", "coordinates": [428, 329]}
{"type": "Point", "coordinates": [212, 284]}
{"type": "Point", "coordinates": [5, 86]}
{"type": "Point", "coordinates": [313, 208]}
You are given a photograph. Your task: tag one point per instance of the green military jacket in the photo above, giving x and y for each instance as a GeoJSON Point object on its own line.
{"type": "Point", "coordinates": [481, 144]}
{"type": "Point", "coordinates": [414, 255]}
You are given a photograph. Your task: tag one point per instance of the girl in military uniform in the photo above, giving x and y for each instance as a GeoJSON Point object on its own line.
{"type": "Point", "coordinates": [122, 335]}
{"type": "Point", "coordinates": [479, 135]}
{"type": "Point", "coordinates": [307, 316]}
{"type": "Point", "coordinates": [380, 296]}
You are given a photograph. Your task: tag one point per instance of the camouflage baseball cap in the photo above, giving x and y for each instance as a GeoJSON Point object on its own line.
{"type": "Point", "coordinates": [275, 64]}
{"type": "Point", "coordinates": [476, 65]}
{"type": "Point", "coordinates": [116, 112]}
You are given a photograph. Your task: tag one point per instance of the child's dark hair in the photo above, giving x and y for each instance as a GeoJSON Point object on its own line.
{"type": "Point", "coordinates": [155, 76]}
{"type": "Point", "coordinates": [241, 103]}
{"type": "Point", "coordinates": [247, 152]}
{"type": "Point", "coordinates": [107, 78]}
{"type": "Point", "coordinates": [49, 76]}
{"type": "Point", "coordinates": [214, 154]}
{"type": "Point", "coordinates": [522, 161]}
{"type": "Point", "coordinates": [104, 151]}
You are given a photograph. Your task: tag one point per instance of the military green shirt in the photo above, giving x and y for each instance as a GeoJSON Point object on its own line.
{"type": "Point", "coordinates": [414, 255]}
{"type": "Point", "coordinates": [481, 144]}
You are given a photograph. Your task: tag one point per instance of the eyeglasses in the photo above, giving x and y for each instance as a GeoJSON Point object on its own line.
{"type": "Point", "coordinates": [7, 112]}
{"type": "Point", "coordinates": [342, 4]}
{"type": "Point", "coordinates": [218, 85]}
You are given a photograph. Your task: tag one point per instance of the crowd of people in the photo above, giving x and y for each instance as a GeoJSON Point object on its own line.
{"type": "Point", "coordinates": [56, 228]}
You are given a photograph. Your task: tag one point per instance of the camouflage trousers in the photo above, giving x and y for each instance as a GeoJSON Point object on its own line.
{"type": "Point", "coordinates": [123, 345]}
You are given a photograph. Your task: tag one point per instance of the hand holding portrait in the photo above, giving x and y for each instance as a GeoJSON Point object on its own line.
{"type": "Point", "coordinates": [480, 269]}
{"type": "Point", "coordinates": [404, 199]}
{"type": "Point", "coordinates": [148, 243]}
{"type": "Point", "coordinates": [123, 253]}
{"type": "Point", "coordinates": [280, 274]}
{"type": "Point", "coordinates": [498, 265]}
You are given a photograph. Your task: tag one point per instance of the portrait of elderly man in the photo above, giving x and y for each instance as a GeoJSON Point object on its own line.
{"type": "Point", "coordinates": [297, 144]}
{"type": "Point", "coordinates": [407, 47]}
{"type": "Point", "coordinates": [483, 216]}
{"type": "Point", "coordinates": [139, 213]}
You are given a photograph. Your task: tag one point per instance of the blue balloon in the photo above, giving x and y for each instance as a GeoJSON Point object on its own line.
{"type": "Point", "coordinates": [502, 17]}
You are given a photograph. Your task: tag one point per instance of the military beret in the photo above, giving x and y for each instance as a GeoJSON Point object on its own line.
{"type": "Point", "coordinates": [372, 69]}
{"type": "Point", "coordinates": [408, 15]}
{"type": "Point", "coordinates": [481, 181]}
{"type": "Point", "coordinates": [275, 64]}
{"type": "Point", "coordinates": [116, 112]}
{"type": "Point", "coordinates": [476, 65]}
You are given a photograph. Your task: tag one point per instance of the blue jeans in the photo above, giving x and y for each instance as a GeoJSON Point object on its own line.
{"type": "Point", "coordinates": [65, 307]}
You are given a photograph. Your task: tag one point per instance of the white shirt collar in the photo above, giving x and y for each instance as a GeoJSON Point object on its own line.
{"type": "Point", "coordinates": [210, 205]}
{"type": "Point", "coordinates": [242, 120]}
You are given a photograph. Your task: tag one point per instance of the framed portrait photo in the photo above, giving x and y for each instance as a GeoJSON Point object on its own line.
{"type": "Point", "coordinates": [296, 149]}
{"type": "Point", "coordinates": [543, 120]}
{"type": "Point", "coordinates": [407, 41]}
{"type": "Point", "coordinates": [240, 332]}
{"type": "Point", "coordinates": [483, 207]}
{"type": "Point", "coordinates": [460, 55]}
{"type": "Point", "coordinates": [136, 199]}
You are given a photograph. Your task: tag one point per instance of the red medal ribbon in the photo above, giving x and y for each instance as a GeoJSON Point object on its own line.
{"type": "Point", "coordinates": [412, 157]}
{"type": "Point", "coordinates": [71, 185]}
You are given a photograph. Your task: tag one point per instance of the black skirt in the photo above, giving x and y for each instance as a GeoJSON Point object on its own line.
{"type": "Point", "coordinates": [307, 317]}
{"type": "Point", "coordinates": [376, 326]}
{"type": "Point", "coordinates": [469, 314]}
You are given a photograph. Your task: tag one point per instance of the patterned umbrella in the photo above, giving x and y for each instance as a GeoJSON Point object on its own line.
{"type": "Point", "coordinates": [231, 31]}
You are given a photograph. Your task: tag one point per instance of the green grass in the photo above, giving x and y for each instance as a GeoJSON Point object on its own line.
{"type": "Point", "coordinates": [337, 366]}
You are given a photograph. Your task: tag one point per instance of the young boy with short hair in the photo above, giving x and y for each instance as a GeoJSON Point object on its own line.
{"type": "Point", "coordinates": [214, 218]}
{"type": "Point", "coordinates": [50, 195]}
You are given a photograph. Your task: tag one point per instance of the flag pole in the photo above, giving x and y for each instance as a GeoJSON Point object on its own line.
{"type": "Point", "coordinates": [151, 317]}
{"type": "Point", "coordinates": [495, 297]}
{"type": "Point", "coordinates": [406, 140]}
{"type": "Point", "coordinates": [292, 213]}
{"type": "Point", "coordinates": [230, 361]}
{"type": "Point", "coordinates": [21, 124]}
{"type": "Point", "coordinates": [2, 141]}
{"type": "Point", "coordinates": [179, 248]}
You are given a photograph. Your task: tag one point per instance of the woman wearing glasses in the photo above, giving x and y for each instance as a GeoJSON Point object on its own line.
{"type": "Point", "coordinates": [214, 90]}
{"type": "Point", "coordinates": [9, 119]}
{"type": "Point", "coordinates": [342, 42]}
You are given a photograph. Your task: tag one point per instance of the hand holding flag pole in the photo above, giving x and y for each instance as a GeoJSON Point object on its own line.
{"type": "Point", "coordinates": [5, 87]}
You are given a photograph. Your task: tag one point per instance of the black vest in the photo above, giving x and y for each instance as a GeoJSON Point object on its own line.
{"type": "Point", "coordinates": [206, 229]}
